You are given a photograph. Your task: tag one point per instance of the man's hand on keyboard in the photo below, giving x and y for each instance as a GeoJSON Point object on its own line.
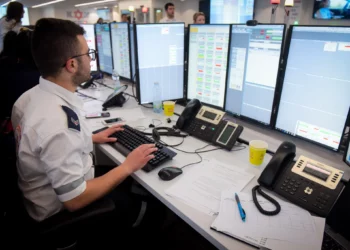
{"type": "Point", "coordinates": [103, 136]}
{"type": "Point", "coordinates": [139, 157]}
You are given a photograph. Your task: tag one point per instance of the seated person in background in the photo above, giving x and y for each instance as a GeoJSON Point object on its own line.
{"type": "Point", "coordinates": [99, 21]}
{"type": "Point", "coordinates": [24, 75]}
{"type": "Point", "coordinates": [324, 12]}
{"type": "Point", "coordinates": [199, 18]}
{"type": "Point", "coordinates": [54, 142]}
{"type": "Point", "coordinates": [8, 61]}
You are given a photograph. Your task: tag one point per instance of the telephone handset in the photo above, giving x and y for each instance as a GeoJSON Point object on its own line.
{"type": "Point", "coordinates": [207, 124]}
{"type": "Point", "coordinates": [307, 183]}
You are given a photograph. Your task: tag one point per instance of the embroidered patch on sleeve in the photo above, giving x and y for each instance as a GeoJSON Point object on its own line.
{"type": "Point", "coordinates": [72, 118]}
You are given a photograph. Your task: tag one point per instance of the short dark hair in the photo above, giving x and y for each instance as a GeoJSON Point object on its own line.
{"type": "Point", "coordinates": [54, 42]}
{"type": "Point", "coordinates": [14, 11]}
{"type": "Point", "coordinates": [168, 5]}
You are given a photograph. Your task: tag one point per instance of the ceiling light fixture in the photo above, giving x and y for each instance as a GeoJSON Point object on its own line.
{"type": "Point", "coordinates": [43, 4]}
{"type": "Point", "coordinates": [96, 2]}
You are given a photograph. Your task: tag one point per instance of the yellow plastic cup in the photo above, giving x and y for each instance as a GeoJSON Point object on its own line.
{"type": "Point", "coordinates": [169, 107]}
{"type": "Point", "coordinates": [257, 151]}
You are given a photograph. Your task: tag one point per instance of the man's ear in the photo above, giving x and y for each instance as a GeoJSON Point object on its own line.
{"type": "Point", "coordinates": [72, 65]}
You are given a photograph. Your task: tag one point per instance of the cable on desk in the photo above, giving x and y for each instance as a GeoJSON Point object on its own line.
{"type": "Point", "coordinates": [82, 94]}
{"type": "Point", "coordinates": [240, 140]}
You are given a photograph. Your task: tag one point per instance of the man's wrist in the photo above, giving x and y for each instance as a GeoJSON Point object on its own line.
{"type": "Point", "coordinates": [126, 169]}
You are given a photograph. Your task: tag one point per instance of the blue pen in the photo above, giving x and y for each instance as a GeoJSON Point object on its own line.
{"type": "Point", "coordinates": [241, 210]}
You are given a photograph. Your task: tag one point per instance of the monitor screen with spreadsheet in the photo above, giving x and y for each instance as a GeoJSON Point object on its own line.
{"type": "Point", "coordinates": [314, 102]}
{"type": "Point", "coordinates": [254, 62]}
{"type": "Point", "coordinates": [207, 62]}
{"type": "Point", "coordinates": [91, 41]}
{"type": "Point", "coordinates": [224, 11]}
{"type": "Point", "coordinates": [104, 48]}
{"type": "Point", "coordinates": [160, 58]}
{"type": "Point", "coordinates": [120, 49]}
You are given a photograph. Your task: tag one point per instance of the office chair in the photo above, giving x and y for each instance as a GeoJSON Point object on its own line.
{"type": "Point", "coordinates": [56, 232]}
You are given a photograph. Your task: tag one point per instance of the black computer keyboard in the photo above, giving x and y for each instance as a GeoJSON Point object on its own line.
{"type": "Point", "coordinates": [130, 138]}
{"type": "Point", "coordinates": [330, 244]}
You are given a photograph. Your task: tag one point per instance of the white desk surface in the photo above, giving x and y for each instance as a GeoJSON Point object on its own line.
{"type": "Point", "coordinates": [198, 220]}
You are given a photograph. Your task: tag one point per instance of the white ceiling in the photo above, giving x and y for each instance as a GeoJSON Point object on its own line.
{"type": "Point", "coordinates": [29, 3]}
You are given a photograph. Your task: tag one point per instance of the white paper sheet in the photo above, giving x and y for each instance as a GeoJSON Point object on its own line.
{"type": "Point", "coordinates": [292, 224]}
{"type": "Point", "coordinates": [201, 187]}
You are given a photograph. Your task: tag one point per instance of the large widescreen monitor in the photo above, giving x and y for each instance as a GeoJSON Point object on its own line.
{"type": "Point", "coordinates": [207, 62]}
{"type": "Point", "coordinates": [160, 58]}
{"type": "Point", "coordinates": [104, 48]}
{"type": "Point", "coordinates": [231, 11]}
{"type": "Point", "coordinates": [254, 63]}
{"type": "Point", "coordinates": [331, 9]}
{"type": "Point", "coordinates": [91, 41]}
{"type": "Point", "coordinates": [314, 102]}
{"type": "Point", "coordinates": [121, 49]}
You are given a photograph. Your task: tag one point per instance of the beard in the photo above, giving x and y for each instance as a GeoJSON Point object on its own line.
{"type": "Point", "coordinates": [83, 75]}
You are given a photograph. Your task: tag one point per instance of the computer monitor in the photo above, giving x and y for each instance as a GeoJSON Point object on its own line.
{"type": "Point", "coordinates": [224, 11]}
{"type": "Point", "coordinates": [132, 49]}
{"type": "Point", "coordinates": [347, 152]}
{"type": "Point", "coordinates": [160, 58]}
{"type": "Point", "coordinates": [91, 41]}
{"type": "Point", "coordinates": [314, 102]}
{"type": "Point", "coordinates": [121, 49]}
{"type": "Point", "coordinates": [254, 63]}
{"type": "Point", "coordinates": [104, 48]}
{"type": "Point", "coordinates": [207, 62]}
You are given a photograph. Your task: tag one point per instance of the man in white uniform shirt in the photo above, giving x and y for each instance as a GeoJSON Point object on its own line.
{"type": "Point", "coordinates": [53, 141]}
{"type": "Point", "coordinates": [170, 14]}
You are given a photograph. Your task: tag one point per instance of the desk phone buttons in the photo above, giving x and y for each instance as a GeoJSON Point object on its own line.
{"type": "Point", "coordinates": [290, 185]}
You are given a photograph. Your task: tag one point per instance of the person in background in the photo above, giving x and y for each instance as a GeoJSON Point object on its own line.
{"type": "Point", "coordinates": [125, 18]}
{"type": "Point", "coordinates": [324, 12]}
{"type": "Point", "coordinates": [170, 14]}
{"type": "Point", "coordinates": [12, 20]}
{"type": "Point", "coordinates": [99, 21]}
{"type": "Point", "coordinates": [9, 46]}
{"type": "Point", "coordinates": [199, 18]}
{"type": "Point", "coordinates": [18, 71]}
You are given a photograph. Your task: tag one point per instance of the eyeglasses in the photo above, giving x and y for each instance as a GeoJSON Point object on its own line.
{"type": "Point", "coordinates": [92, 53]}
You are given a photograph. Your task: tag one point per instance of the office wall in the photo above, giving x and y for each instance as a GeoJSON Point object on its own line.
{"type": "Point", "coordinates": [263, 14]}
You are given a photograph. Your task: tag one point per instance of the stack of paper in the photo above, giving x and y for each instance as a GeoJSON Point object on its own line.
{"type": "Point", "coordinates": [201, 186]}
{"type": "Point", "coordinates": [292, 224]}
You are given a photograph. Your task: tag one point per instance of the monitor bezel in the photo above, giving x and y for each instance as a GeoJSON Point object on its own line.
{"type": "Point", "coordinates": [347, 147]}
{"type": "Point", "coordinates": [96, 59]}
{"type": "Point", "coordinates": [188, 63]}
{"type": "Point", "coordinates": [275, 96]}
{"type": "Point", "coordinates": [110, 38]}
{"type": "Point", "coordinates": [138, 92]}
{"type": "Point", "coordinates": [283, 71]}
{"type": "Point", "coordinates": [133, 74]}
{"type": "Point", "coordinates": [110, 27]}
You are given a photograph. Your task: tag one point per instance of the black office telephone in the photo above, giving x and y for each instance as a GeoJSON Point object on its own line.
{"type": "Point", "coordinates": [307, 183]}
{"type": "Point", "coordinates": [207, 124]}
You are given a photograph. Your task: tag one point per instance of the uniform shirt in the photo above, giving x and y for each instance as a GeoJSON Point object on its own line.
{"type": "Point", "coordinates": [6, 26]}
{"type": "Point", "coordinates": [168, 20]}
{"type": "Point", "coordinates": [53, 147]}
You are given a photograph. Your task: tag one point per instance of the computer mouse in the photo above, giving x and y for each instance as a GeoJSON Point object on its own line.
{"type": "Point", "coordinates": [169, 173]}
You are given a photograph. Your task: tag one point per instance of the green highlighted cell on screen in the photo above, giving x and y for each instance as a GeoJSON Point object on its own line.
{"type": "Point", "coordinates": [277, 38]}
{"type": "Point", "coordinates": [199, 79]}
{"type": "Point", "coordinates": [201, 56]}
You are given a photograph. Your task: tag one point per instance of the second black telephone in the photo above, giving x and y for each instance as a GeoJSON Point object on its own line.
{"type": "Point", "coordinates": [308, 183]}
{"type": "Point", "coordinates": [207, 124]}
